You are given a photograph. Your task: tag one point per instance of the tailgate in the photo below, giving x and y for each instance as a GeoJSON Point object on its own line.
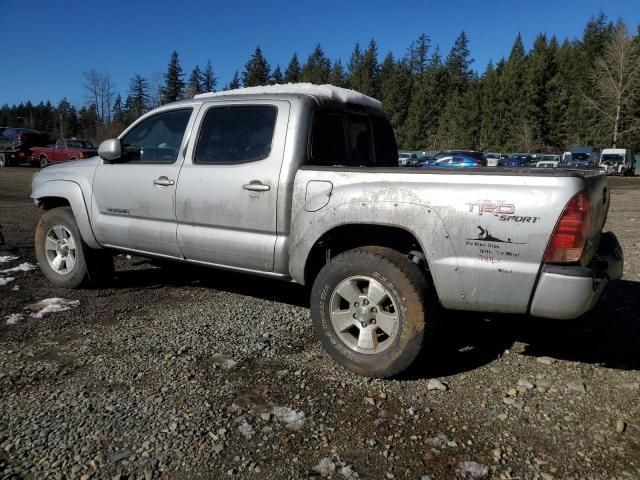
{"type": "Point", "coordinates": [597, 187]}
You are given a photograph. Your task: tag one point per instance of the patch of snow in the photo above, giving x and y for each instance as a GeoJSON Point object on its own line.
{"type": "Point", "coordinates": [224, 361]}
{"type": "Point", "coordinates": [51, 305]}
{"type": "Point", "coordinates": [293, 419]}
{"type": "Point", "coordinates": [5, 280]}
{"type": "Point", "coordinates": [472, 470]}
{"type": "Point", "coordinates": [246, 430]}
{"type": "Point", "coordinates": [349, 472]}
{"type": "Point", "coordinates": [325, 467]}
{"type": "Point", "coordinates": [7, 258]}
{"type": "Point", "coordinates": [14, 318]}
{"type": "Point", "coordinates": [23, 267]}
{"type": "Point", "coordinates": [323, 91]}
{"type": "Point", "coordinates": [16, 288]}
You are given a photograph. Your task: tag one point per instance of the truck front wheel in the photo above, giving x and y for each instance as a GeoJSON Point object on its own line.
{"type": "Point", "coordinates": [63, 256]}
{"type": "Point", "coordinates": [368, 309]}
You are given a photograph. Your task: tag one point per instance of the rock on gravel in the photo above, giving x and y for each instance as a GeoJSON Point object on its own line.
{"type": "Point", "coordinates": [293, 419]}
{"type": "Point", "coordinates": [472, 470]}
{"type": "Point", "coordinates": [325, 467]}
{"type": "Point", "coordinates": [577, 386]}
{"type": "Point", "coordinates": [545, 360]}
{"type": "Point", "coordinates": [435, 384]}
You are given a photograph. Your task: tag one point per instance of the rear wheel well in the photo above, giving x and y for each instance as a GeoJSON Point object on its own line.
{"type": "Point", "coordinates": [348, 237]}
{"type": "Point", "coordinates": [47, 203]}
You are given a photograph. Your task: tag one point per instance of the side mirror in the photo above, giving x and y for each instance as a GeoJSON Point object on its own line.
{"type": "Point", "coordinates": [110, 150]}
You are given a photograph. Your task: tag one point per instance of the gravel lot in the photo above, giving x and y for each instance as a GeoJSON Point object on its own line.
{"type": "Point", "coordinates": [196, 373]}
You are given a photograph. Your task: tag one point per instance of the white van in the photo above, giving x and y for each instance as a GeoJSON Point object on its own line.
{"type": "Point", "coordinates": [617, 161]}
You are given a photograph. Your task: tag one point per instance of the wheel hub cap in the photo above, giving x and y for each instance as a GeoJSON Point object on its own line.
{"type": "Point", "coordinates": [364, 315]}
{"type": "Point", "coordinates": [60, 249]}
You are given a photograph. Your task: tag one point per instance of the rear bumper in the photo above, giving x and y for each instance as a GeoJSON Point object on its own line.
{"type": "Point", "coordinates": [566, 292]}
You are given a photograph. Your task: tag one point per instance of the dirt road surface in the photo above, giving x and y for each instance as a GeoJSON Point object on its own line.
{"type": "Point", "coordinates": [197, 373]}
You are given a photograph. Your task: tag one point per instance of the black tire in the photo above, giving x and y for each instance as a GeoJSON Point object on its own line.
{"type": "Point", "coordinates": [3, 161]}
{"type": "Point", "coordinates": [90, 266]}
{"type": "Point", "coordinates": [43, 161]}
{"type": "Point", "coordinates": [405, 284]}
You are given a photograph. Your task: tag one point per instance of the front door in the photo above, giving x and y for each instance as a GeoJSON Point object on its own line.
{"type": "Point", "coordinates": [227, 195]}
{"type": "Point", "coordinates": [133, 204]}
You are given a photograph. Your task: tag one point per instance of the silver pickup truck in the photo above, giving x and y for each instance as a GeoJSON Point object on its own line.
{"type": "Point", "coordinates": [301, 183]}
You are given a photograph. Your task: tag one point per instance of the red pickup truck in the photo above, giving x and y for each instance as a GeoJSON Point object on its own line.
{"type": "Point", "coordinates": [65, 149]}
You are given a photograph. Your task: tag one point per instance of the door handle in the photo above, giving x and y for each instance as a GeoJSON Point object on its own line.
{"type": "Point", "coordinates": [163, 182]}
{"type": "Point", "coordinates": [256, 186]}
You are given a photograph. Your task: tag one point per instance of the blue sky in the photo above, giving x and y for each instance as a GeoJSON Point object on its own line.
{"type": "Point", "coordinates": [50, 43]}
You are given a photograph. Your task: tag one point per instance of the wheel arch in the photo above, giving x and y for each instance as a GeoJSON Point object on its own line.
{"type": "Point", "coordinates": [62, 193]}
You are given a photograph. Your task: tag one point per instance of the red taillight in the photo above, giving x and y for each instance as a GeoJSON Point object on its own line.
{"type": "Point", "coordinates": [81, 155]}
{"type": "Point", "coordinates": [570, 235]}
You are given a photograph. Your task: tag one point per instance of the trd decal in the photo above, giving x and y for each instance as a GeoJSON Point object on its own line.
{"type": "Point", "coordinates": [504, 211]}
{"type": "Point", "coordinates": [485, 236]}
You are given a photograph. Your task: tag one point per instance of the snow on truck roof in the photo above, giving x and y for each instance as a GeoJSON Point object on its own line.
{"type": "Point", "coordinates": [323, 91]}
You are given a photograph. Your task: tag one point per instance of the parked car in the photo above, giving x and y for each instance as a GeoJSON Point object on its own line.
{"type": "Point", "coordinates": [518, 160]}
{"type": "Point", "coordinates": [494, 159]}
{"type": "Point", "coordinates": [406, 159]}
{"type": "Point", "coordinates": [301, 182]}
{"type": "Point", "coordinates": [582, 157]}
{"type": "Point", "coordinates": [549, 161]}
{"type": "Point", "coordinates": [65, 149]}
{"type": "Point", "coordinates": [455, 159]}
{"type": "Point", "coordinates": [617, 161]}
{"type": "Point", "coordinates": [16, 145]}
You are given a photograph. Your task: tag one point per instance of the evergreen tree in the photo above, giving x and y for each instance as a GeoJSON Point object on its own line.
{"type": "Point", "coordinates": [418, 54]}
{"type": "Point", "coordinates": [395, 87]}
{"type": "Point", "coordinates": [195, 83]}
{"type": "Point", "coordinates": [458, 65]}
{"type": "Point", "coordinates": [209, 80]}
{"type": "Point", "coordinates": [118, 110]}
{"type": "Point", "coordinates": [317, 68]}
{"type": "Point", "coordinates": [173, 83]}
{"type": "Point", "coordinates": [364, 76]}
{"type": "Point", "coordinates": [276, 77]}
{"type": "Point", "coordinates": [138, 99]}
{"type": "Point", "coordinates": [235, 83]}
{"type": "Point", "coordinates": [257, 70]}
{"type": "Point", "coordinates": [292, 73]}
{"type": "Point", "coordinates": [338, 76]}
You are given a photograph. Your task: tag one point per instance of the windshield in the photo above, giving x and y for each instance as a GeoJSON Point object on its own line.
{"type": "Point", "coordinates": [612, 158]}
{"type": "Point", "coordinates": [404, 155]}
{"type": "Point", "coordinates": [580, 156]}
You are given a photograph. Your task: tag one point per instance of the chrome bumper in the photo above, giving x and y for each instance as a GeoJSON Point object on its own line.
{"type": "Point", "coordinates": [566, 292]}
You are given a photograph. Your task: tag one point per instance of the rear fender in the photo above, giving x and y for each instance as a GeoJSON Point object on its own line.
{"type": "Point", "coordinates": [71, 192]}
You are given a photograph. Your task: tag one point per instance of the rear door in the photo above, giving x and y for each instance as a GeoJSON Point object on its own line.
{"type": "Point", "coordinates": [133, 204]}
{"type": "Point", "coordinates": [228, 188]}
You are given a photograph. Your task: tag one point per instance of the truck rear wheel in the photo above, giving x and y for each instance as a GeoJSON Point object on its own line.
{"type": "Point", "coordinates": [63, 256]}
{"type": "Point", "coordinates": [43, 161]}
{"type": "Point", "coordinates": [368, 309]}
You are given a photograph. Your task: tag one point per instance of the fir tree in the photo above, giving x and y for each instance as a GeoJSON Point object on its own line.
{"type": "Point", "coordinates": [338, 76]}
{"type": "Point", "coordinates": [138, 98]}
{"type": "Point", "coordinates": [317, 68]}
{"type": "Point", "coordinates": [458, 65]}
{"type": "Point", "coordinates": [209, 80]}
{"type": "Point", "coordinates": [235, 83]}
{"type": "Point", "coordinates": [292, 73]}
{"type": "Point", "coordinates": [277, 77]}
{"type": "Point", "coordinates": [173, 83]}
{"type": "Point", "coordinates": [194, 85]}
{"type": "Point", "coordinates": [364, 76]}
{"type": "Point", "coordinates": [257, 70]}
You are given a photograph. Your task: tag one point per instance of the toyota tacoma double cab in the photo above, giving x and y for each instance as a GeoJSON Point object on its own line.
{"type": "Point", "coordinates": [301, 183]}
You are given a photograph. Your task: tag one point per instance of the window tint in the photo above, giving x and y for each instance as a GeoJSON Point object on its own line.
{"type": "Point", "coordinates": [385, 143]}
{"type": "Point", "coordinates": [157, 139]}
{"type": "Point", "coordinates": [328, 146]}
{"type": "Point", "coordinates": [237, 134]}
{"type": "Point", "coordinates": [359, 140]}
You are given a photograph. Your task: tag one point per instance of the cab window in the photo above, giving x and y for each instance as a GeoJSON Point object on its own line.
{"type": "Point", "coordinates": [156, 139]}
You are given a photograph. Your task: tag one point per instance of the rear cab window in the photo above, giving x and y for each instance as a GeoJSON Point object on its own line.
{"type": "Point", "coordinates": [342, 137]}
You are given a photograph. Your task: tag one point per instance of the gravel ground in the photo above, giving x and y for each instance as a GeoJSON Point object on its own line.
{"type": "Point", "coordinates": [195, 373]}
